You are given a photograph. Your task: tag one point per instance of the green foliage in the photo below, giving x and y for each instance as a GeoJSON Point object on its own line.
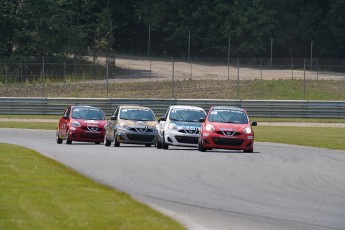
{"type": "Point", "coordinates": [74, 27]}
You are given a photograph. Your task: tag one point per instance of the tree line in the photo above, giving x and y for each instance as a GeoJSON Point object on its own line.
{"type": "Point", "coordinates": [205, 28]}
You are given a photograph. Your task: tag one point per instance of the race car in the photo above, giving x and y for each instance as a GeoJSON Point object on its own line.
{"type": "Point", "coordinates": [131, 124]}
{"type": "Point", "coordinates": [226, 128]}
{"type": "Point", "coordinates": [180, 126]}
{"type": "Point", "coordinates": [81, 123]}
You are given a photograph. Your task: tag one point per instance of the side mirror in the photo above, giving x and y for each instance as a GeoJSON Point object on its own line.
{"type": "Point", "coordinates": [162, 119]}
{"type": "Point", "coordinates": [254, 123]}
{"type": "Point", "coordinates": [65, 117]}
{"type": "Point", "coordinates": [201, 119]}
{"type": "Point", "coordinates": [112, 118]}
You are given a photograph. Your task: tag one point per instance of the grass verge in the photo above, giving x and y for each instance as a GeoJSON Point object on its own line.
{"type": "Point", "coordinates": [38, 193]}
{"type": "Point", "coordinates": [28, 125]}
{"type": "Point", "coordinates": [321, 137]}
{"type": "Point", "coordinates": [257, 89]}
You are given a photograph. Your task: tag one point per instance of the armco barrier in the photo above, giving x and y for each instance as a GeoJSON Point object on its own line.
{"type": "Point", "coordinates": [255, 108]}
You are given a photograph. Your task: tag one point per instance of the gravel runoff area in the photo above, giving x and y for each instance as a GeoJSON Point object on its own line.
{"type": "Point", "coordinates": [141, 69]}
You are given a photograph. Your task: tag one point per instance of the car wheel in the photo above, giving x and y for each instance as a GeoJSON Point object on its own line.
{"type": "Point", "coordinates": [58, 139]}
{"type": "Point", "coordinates": [147, 145]}
{"type": "Point", "coordinates": [201, 148]}
{"type": "Point", "coordinates": [159, 144]}
{"type": "Point", "coordinates": [68, 140]}
{"type": "Point", "coordinates": [106, 141]}
{"type": "Point", "coordinates": [164, 145]}
{"type": "Point", "coordinates": [116, 142]}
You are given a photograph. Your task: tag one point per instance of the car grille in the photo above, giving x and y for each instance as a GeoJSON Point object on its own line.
{"type": "Point", "coordinates": [228, 133]}
{"type": "Point", "coordinates": [140, 138]}
{"type": "Point", "coordinates": [92, 129]}
{"type": "Point", "coordinates": [141, 130]}
{"type": "Point", "coordinates": [90, 135]}
{"type": "Point", "coordinates": [189, 131]}
{"type": "Point", "coordinates": [228, 141]}
{"type": "Point", "coordinates": [187, 140]}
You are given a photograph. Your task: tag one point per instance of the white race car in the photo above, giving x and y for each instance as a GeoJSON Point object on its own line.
{"type": "Point", "coordinates": [180, 126]}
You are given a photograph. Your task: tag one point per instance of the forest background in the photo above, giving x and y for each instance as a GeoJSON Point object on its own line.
{"type": "Point", "coordinates": [179, 28]}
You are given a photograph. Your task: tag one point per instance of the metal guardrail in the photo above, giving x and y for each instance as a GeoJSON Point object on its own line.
{"type": "Point", "coordinates": [255, 108]}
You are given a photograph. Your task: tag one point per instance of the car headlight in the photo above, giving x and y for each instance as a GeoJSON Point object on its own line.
{"type": "Point", "coordinates": [247, 130]}
{"type": "Point", "coordinates": [172, 126]}
{"type": "Point", "coordinates": [209, 128]}
{"type": "Point", "coordinates": [75, 124]}
{"type": "Point", "coordinates": [123, 125]}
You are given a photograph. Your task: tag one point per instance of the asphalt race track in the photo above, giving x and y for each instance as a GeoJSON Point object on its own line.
{"type": "Point", "coordinates": [276, 187]}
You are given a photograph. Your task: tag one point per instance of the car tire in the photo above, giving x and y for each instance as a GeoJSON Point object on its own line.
{"type": "Point", "coordinates": [159, 144]}
{"type": "Point", "coordinates": [201, 148]}
{"type": "Point", "coordinates": [164, 145]}
{"type": "Point", "coordinates": [116, 142]}
{"type": "Point", "coordinates": [106, 141]}
{"type": "Point", "coordinates": [68, 140]}
{"type": "Point", "coordinates": [58, 139]}
{"type": "Point", "coordinates": [147, 145]}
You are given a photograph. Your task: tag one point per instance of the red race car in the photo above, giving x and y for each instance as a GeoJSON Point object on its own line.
{"type": "Point", "coordinates": [226, 127]}
{"type": "Point", "coordinates": [81, 123]}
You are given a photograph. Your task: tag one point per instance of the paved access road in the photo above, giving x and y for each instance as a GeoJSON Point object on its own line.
{"type": "Point", "coordinates": [276, 187]}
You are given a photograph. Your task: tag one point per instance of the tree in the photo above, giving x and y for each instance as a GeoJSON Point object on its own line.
{"type": "Point", "coordinates": [253, 26]}
{"type": "Point", "coordinates": [7, 25]}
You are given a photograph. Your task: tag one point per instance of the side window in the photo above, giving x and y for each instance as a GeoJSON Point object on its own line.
{"type": "Point", "coordinates": [116, 113]}
{"type": "Point", "coordinates": [67, 112]}
{"type": "Point", "coordinates": [166, 113]}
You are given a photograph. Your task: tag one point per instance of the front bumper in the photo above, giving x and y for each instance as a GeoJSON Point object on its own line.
{"type": "Point", "coordinates": [128, 136]}
{"type": "Point", "coordinates": [178, 138]}
{"type": "Point", "coordinates": [82, 134]}
{"type": "Point", "coordinates": [217, 141]}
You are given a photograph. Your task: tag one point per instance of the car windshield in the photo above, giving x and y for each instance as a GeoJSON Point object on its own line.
{"type": "Point", "coordinates": [191, 115]}
{"type": "Point", "coordinates": [87, 113]}
{"type": "Point", "coordinates": [137, 114]}
{"type": "Point", "coordinates": [228, 116]}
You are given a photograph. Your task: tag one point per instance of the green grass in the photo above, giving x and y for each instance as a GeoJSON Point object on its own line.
{"type": "Point", "coordinates": [38, 193]}
{"type": "Point", "coordinates": [191, 89]}
{"type": "Point", "coordinates": [28, 125]}
{"type": "Point", "coordinates": [321, 137]}
{"type": "Point", "coordinates": [19, 116]}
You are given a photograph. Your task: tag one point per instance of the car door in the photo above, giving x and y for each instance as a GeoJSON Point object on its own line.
{"type": "Point", "coordinates": [162, 122]}
{"type": "Point", "coordinates": [111, 124]}
{"type": "Point", "coordinates": [63, 122]}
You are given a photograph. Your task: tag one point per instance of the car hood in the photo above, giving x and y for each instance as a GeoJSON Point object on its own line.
{"type": "Point", "coordinates": [133, 123]}
{"type": "Point", "coordinates": [228, 126]}
{"type": "Point", "coordinates": [91, 123]}
{"type": "Point", "coordinates": [186, 124]}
